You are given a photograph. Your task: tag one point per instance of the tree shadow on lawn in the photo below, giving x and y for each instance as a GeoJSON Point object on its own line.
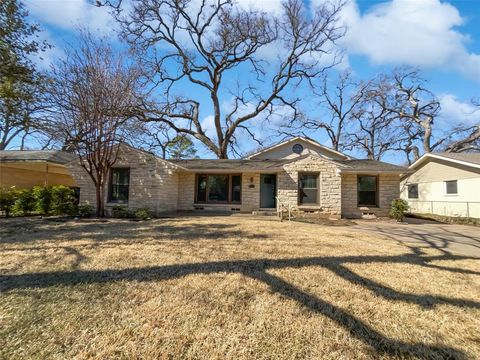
{"type": "Point", "coordinates": [258, 269]}
{"type": "Point", "coordinates": [439, 239]}
{"type": "Point", "coordinates": [165, 230]}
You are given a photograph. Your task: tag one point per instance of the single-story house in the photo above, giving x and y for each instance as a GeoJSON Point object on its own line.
{"type": "Point", "coordinates": [27, 168]}
{"type": "Point", "coordinates": [444, 184]}
{"type": "Point", "coordinates": [300, 173]}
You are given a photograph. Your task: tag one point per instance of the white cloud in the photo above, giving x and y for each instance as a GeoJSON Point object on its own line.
{"type": "Point", "coordinates": [68, 14]}
{"type": "Point", "coordinates": [208, 125]}
{"type": "Point", "coordinates": [419, 33]}
{"type": "Point", "coordinates": [454, 110]}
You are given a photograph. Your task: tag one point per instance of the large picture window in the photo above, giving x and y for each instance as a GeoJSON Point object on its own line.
{"type": "Point", "coordinates": [119, 183]}
{"type": "Point", "coordinates": [367, 190]}
{"type": "Point", "coordinates": [307, 189]}
{"type": "Point", "coordinates": [218, 188]}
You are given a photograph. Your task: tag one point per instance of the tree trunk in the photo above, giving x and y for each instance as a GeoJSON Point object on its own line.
{"type": "Point", "coordinates": [98, 194]}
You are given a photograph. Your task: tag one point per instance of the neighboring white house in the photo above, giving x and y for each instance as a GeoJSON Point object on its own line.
{"type": "Point", "coordinates": [444, 184]}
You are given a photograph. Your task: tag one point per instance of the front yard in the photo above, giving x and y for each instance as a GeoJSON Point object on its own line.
{"type": "Point", "coordinates": [229, 287]}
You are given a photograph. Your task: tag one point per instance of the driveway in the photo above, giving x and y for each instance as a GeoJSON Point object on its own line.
{"type": "Point", "coordinates": [447, 238]}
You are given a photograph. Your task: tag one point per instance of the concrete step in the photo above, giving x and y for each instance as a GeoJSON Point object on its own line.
{"type": "Point", "coordinates": [265, 212]}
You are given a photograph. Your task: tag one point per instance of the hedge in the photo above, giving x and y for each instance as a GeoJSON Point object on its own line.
{"type": "Point", "coordinates": [43, 200]}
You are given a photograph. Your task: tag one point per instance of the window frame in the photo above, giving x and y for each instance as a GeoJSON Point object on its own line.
{"type": "Point", "coordinates": [408, 192]}
{"type": "Point", "coordinates": [446, 187]}
{"type": "Point", "coordinates": [230, 190]}
{"type": "Point", "coordinates": [110, 186]}
{"type": "Point", "coordinates": [299, 201]}
{"type": "Point", "coordinates": [377, 190]}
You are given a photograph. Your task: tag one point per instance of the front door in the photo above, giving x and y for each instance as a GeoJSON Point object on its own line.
{"type": "Point", "coordinates": [268, 187]}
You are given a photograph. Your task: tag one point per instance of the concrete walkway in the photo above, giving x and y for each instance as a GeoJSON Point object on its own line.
{"type": "Point", "coordinates": [447, 238]}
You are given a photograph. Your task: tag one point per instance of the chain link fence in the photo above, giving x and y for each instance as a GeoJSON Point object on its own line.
{"type": "Point", "coordinates": [446, 208]}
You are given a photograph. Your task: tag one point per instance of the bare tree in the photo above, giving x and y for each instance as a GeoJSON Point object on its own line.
{"type": "Point", "coordinates": [340, 98]}
{"type": "Point", "coordinates": [95, 92]}
{"type": "Point", "coordinates": [415, 104]}
{"type": "Point", "coordinates": [470, 136]}
{"type": "Point", "coordinates": [375, 129]}
{"type": "Point", "coordinates": [469, 140]}
{"type": "Point", "coordinates": [211, 44]}
{"type": "Point", "coordinates": [159, 138]}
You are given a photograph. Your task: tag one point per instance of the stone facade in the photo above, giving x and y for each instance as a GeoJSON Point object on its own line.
{"type": "Point", "coordinates": [388, 190]}
{"type": "Point", "coordinates": [165, 187]}
{"type": "Point", "coordinates": [329, 184]}
{"type": "Point", "coordinates": [153, 181]}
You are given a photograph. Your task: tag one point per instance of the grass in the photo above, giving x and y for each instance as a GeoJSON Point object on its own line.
{"type": "Point", "coordinates": [229, 287]}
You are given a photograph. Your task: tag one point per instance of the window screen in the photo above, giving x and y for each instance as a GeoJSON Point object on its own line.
{"type": "Point", "coordinates": [367, 190]}
{"type": "Point", "coordinates": [451, 187]}
{"type": "Point", "coordinates": [307, 189]}
{"type": "Point", "coordinates": [119, 184]}
{"type": "Point", "coordinates": [412, 191]}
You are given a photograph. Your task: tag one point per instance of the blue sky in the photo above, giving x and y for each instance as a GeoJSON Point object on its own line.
{"type": "Point", "coordinates": [440, 37]}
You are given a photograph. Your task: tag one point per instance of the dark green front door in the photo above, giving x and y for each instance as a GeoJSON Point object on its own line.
{"type": "Point", "coordinates": [268, 190]}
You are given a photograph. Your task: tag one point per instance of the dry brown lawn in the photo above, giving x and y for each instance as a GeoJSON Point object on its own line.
{"type": "Point", "coordinates": [229, 288]}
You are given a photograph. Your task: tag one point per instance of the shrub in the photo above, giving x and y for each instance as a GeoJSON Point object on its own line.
{"type": "Point", "coordinates": [63, 200]}
{"type": "Point", "coordinates": [121, 211]}
{"type": "Point", "coordinates": [8, 196]}
{"type": "Point", "coordinates": [86, 210]}
{"type": "Point", "coordinates": [43, 199]}
{"type": "Point", "coordinates": [25, 203]}
{"type": "Point", "coordinates": [398, 209]}
{"type": "Point", "coordinates": [143, 213]}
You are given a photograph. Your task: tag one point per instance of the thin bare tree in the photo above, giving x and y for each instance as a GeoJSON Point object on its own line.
{"type": "Point", "coordinates": [214, 47]}
{"type": "Point", "coordinates": [339, 97]}
{"type": "Point", "coordinates": [375, 129]}
{"type": "Point", "coordinates": [95, 92]}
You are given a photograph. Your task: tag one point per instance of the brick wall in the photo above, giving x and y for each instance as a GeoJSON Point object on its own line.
{"type": "Point", "coordinates": [153, 182]}
{"type": "Point", "coordinates": [186, 194]}
{"type": "Point", "coordinates": [389, 189]}
{"type": "Point", "coordinates": [329, 183]}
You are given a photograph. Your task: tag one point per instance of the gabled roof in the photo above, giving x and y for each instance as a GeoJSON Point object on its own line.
{"type": "Point", "coordinates": [467, 159]}
{"type": "Point", "coordinates": [297, 138]}
{"type": "Point", "coordinates": [52, 156]}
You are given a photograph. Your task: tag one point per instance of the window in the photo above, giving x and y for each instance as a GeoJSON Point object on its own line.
{"type": "Point", "coordinates": [412, 191]}
{"type": "Point", "coordinates": [119, 181]}
{"type": "Point", "coordinates": [297, 148]}
{"type": "Point", "coordinates": [367, 190]}
{"type": "Point", "coordinates": [236, 188]}
{"type": "Point", "coordinates": [307, 189]}
{"type": "Point", "coordinates": [451, 187]}
{"type": "Point", "coordinates": [218, 188]}
{"type": "Point", "coordinates": [201, 188]}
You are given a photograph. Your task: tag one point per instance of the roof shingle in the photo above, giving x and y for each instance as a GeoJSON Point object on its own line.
{"type": "Point", "coordinates": [359, 165]}
{"type": "Point", "coordinates": [53, 156]}
{"type": "Point", "coordinates": [271, 165]}
{"type": "Point", "coordinates": [473, 158]}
